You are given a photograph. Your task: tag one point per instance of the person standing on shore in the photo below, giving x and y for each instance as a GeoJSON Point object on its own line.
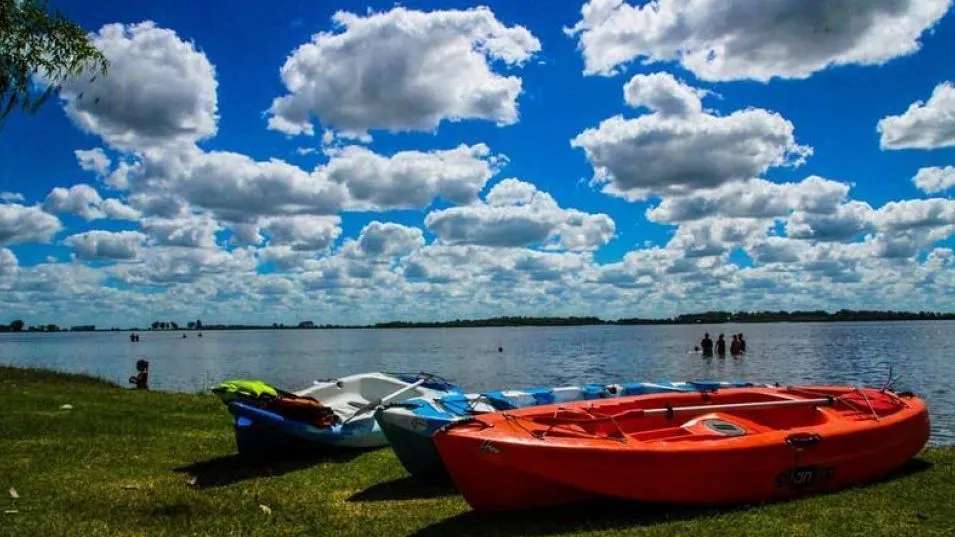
{"type": "Point", "coordinates": [141, 378]}
{"type": "Point", "coordinates": [721, 347]}
{"type": "Point", "coordinates": [707, 345]}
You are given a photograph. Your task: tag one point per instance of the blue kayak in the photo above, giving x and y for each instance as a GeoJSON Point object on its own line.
{"type": "Point", "coordinates": [409, 425]}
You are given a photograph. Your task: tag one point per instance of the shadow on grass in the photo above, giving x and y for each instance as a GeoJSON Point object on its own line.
{"type": "Point", "coordinates": [230, 469]}
{"type": "Point", "coordinates": [406, 488]}
{"type": "Point", "coordinates": [601, 514]}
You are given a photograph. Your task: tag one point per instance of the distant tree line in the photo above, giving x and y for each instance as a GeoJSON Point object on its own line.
{"type": "Point", "coordinates": [713, 317]}
{"type": "Point", "coordinates": [498, 321]}
{"type": "Point", "coordinates": [709, 317]}
{"type": "Point", "coordinates": [173, 325]}
{"type": "Point", "coordinates": [19, 326]}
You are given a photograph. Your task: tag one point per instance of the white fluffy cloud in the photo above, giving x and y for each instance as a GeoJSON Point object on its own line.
{"type": "Point", "coordinates": [678, 148]}
{"type": "Point", "coordinates": [915, 214]}
{"type": "Point", "coordinates": [177, 265]}
{"type": "Point", "coordinates": [927, 125]}
{"type": "Point", "coordinates": [740, 39]}
{"type": "Point", "coordinates": [303, 232]}
{"type": "Point", "coordinates": [159, 89]}
{"type": "Point", "coordinates": [189, 232]}
{"type": "Point", "coordinates": [716, 236]}
{"type": "Point", "coordinates": [664, 94]}
{"type": "Point", "coordinates": [403, 70]}
{"type": "Point", "coordinates": [411, 179]}
{"type": "Point", "coordinates": [935, 179]}
{"type": "Point", "coordinates": [93, 160]}
{"type": "Point", "coordinates": [8, 262]}
{"type": "Point", "coordinates": [19, 224]}
{"type": "Point", "coordinates": [517, 214]}
{"type": "Point", "coordinates": [11, 197]}
{"type": "Point", "coordinates": [756, 198]}
{"type": "Point", "coordinates": [388, 239]}
{"type": "Point", "coordinates": [111, 245]}
{"type": "Point", "coordinates": [237, 189]}
{"type": "Point", "coordinates": [844, 223]}
{"type": "Point", "coordinates": [84, 201]}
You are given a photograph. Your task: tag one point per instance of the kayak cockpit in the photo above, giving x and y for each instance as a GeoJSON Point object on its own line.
{"type": "Point", "coordinates": [696, 417]}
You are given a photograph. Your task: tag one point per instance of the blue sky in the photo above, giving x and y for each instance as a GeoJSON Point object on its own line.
{"type": "Point", "coordinates": [465, 162]}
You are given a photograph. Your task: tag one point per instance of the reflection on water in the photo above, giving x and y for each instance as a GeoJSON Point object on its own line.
{"type": "Point", "coordinates": [835, 353]}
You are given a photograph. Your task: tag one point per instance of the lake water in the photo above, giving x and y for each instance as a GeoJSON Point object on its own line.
{"type": "Point", "coordinates": [833, 353]}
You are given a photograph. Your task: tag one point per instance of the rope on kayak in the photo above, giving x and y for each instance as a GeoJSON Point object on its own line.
{"type": "Point", "coordinates": [866, 399]}
{"type": "Point", "coordinates": [541, 435]}
{"type": "Point", "coordinates": [843, 400]}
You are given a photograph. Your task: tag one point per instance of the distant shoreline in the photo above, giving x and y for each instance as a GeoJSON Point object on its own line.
{"type": "Point", "coordinates": [717, 317]}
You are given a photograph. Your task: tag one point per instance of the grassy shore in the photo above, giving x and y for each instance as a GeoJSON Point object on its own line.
{"type": "Point", "coordinates": [122, 462]}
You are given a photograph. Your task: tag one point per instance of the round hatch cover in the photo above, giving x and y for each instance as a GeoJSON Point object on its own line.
{"type": "Point", "coordinates": [724, 428]}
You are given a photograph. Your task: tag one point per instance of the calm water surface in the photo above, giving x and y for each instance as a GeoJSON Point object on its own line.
{"type": "Point", "coordinates": [850, 353]}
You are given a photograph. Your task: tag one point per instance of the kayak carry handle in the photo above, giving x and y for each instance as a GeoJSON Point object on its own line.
{"type": "Point", "coordinates": [800, 441]}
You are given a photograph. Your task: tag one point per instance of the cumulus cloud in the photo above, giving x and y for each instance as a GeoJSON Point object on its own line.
{"type": "Point", "coordinates": [160, 90]}
{"type": "Point", "coordinates": [721, 40]}
{"type": "Point", "coordinates": [284, 257]}
{"type": "Point", "coordinates": [387, 239]}
{"type": "Point", "coordinates": [117, 210]}
{"type": "Point", "coordinates": [935, 179]}
{"type": "Point", "coordinates": [847, 221]}
{"type": "Point", "coordinates": [517, 214]}
{"type": "Point", "coordinates": [303, 232]}
{"type": "Point", "coordinates": [237, 189]}
{"type": "Point", "coordinates": [716, 236]}
{"type": "Point", "coordinates": [93, 160]}
{"type": "Point", "coordinates": [927, 125]}
{"type": "Point", "coordinates": [403, 70]}
{"type": "Point", "coordinates": [112, 245]}
{"type": "Point", "coordinates": [411, 179]}
{"type": "Point", "coordinates": [678, 148]}
{"type": "Point", "coordinates": [84, 201]}
{"type": "Point", "coordinates": [756, 198]}
{"type": "Point", "coordinates": [915, 214]}
{"type": "Point", "coordinates": [20, 224]}
{"type": "Point", "coordinates": [664, 94]}
{"type": "Point", "coordinates": [8, 262]}
{"type": "Point", "coordinates": [165, 266]}
{"type": "Point", "coordinates": [189, 232]}
{"type": "Point", "coordinates": [11, 197]}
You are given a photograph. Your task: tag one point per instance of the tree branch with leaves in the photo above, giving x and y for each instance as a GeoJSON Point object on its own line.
{"type": "Point", "coordinates": [37, 43]}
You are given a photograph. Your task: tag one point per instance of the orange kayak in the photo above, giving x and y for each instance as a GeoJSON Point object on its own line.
{"type": "Point", "coordinates": [732, 446]}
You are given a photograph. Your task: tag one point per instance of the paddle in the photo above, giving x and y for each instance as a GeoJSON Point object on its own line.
{"type": "Point", "coordinates": [374, 404]}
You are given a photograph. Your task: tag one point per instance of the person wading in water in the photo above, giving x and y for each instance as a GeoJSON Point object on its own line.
{"type": "Point", "coordinates": [707, 345]}
{"type": "Point", "coordinates": [721, 346]}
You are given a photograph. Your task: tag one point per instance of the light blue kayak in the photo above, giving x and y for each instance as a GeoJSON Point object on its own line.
{"type": "Point", "coordinates": [409, 425]}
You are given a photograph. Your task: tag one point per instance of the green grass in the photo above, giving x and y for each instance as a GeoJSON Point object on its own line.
{"type": "Point", "coordinates": [120, 462]}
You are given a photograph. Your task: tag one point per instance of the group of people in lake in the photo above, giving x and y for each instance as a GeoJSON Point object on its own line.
{"type": "Point", "coordinates": [737, 346]}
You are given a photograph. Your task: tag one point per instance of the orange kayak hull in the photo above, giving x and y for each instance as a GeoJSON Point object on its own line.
{"type": "Point", "coordinates": [520, 459]}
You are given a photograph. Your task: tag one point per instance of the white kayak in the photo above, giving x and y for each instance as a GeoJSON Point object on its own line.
{"type": "Point", "coordinates": [263, 424]}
